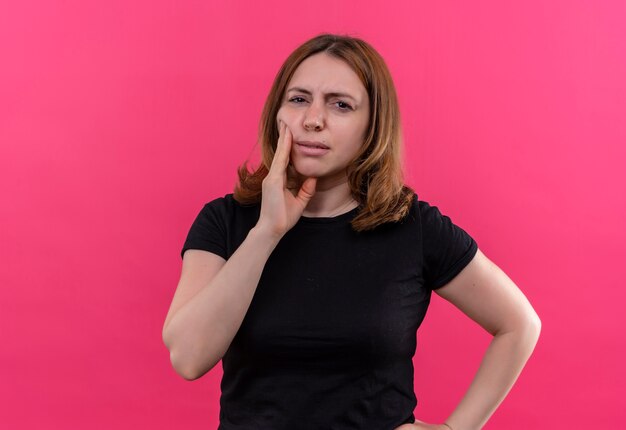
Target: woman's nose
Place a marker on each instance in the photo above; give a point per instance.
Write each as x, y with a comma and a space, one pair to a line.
313, 118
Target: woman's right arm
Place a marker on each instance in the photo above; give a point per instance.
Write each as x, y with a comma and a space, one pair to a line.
213, 295
211, 300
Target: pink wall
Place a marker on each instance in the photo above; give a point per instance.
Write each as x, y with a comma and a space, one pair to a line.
118, 120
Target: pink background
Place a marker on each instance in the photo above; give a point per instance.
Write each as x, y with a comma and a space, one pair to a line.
119, 120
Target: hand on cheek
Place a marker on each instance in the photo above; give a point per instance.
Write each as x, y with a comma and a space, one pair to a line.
279, 121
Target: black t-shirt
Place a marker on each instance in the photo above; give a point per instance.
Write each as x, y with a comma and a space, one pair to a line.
330, 335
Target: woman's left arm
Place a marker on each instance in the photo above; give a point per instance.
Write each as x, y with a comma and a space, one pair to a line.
488, 296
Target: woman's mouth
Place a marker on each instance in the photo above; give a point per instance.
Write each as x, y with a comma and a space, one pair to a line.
312, 148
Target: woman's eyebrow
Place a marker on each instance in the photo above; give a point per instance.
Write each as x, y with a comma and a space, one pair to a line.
333, 94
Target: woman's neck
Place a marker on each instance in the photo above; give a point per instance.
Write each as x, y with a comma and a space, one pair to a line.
330, 200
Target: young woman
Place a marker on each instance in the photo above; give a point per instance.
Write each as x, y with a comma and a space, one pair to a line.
310, 281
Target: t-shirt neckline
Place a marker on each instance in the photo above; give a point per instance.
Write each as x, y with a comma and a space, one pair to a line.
328, 220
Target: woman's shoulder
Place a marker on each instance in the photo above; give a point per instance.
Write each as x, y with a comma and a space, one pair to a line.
421, 206
228, 204
227, 214
417, 205
424, 209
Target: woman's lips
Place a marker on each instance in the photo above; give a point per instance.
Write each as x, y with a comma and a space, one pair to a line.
312, 148
312, 144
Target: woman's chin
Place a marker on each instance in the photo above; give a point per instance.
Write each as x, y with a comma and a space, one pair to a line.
306, 171
301, 169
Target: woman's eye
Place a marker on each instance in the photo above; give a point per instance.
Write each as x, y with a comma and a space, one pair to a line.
341, 105
344, 105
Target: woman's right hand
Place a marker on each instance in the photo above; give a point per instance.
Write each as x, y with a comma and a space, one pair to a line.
280, 207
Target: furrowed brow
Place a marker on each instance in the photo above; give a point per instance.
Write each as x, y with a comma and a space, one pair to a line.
328, 95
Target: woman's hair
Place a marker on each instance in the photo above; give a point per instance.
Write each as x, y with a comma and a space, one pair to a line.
375, 174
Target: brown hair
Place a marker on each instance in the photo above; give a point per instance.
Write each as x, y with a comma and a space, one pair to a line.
375, 174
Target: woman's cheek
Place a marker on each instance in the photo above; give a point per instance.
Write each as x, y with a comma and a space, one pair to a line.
287, 116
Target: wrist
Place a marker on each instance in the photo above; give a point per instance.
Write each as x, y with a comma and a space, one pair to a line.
265, 235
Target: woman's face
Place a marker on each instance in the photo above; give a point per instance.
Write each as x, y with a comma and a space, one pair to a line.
325, 104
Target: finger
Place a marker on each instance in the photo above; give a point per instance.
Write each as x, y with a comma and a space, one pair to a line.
273, 169
283, 150
279, 146
285, 147
307, 189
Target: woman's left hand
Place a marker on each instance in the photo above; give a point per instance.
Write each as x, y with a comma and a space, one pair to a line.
419, 425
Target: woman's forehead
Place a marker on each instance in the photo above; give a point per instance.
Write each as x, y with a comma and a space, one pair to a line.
326, 75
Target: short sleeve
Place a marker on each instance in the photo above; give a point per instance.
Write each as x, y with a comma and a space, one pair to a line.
208, 231
447, 248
